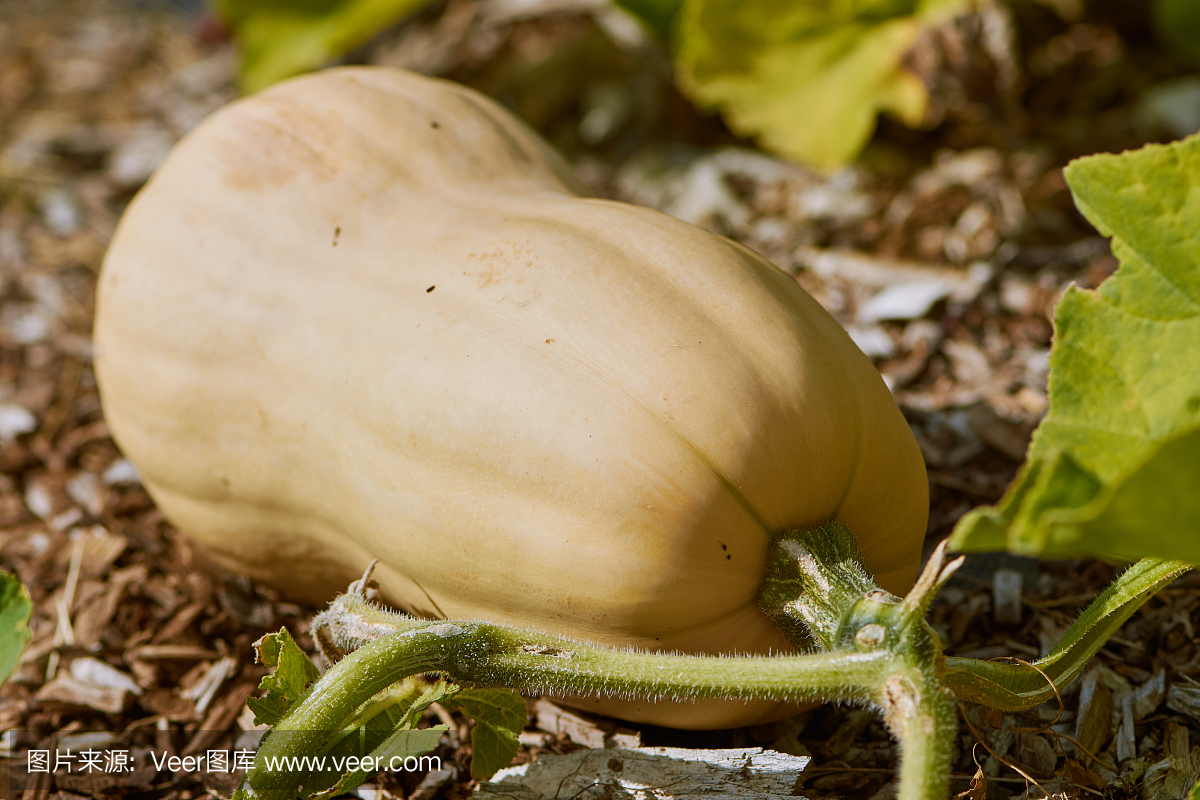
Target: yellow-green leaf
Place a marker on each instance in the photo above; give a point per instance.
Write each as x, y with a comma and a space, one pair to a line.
807, 78
15, 609
1113, 469
281, 39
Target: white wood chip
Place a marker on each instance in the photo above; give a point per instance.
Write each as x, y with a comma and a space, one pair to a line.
1006, 596
1093, 724
1126, 744
651, 773
431, 784
1149, 695
14, 421
68, 690
96, 672
206, 688
904, 300
560, 722
121, 471
85, 489
1184, 699
39, 500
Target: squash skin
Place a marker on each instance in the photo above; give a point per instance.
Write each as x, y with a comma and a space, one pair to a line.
589, 425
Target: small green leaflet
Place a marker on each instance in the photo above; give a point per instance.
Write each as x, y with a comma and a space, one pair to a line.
499, 716
293, 674
806, 78
15, 609
281, 38
383, 729
380, 735
1113, 469
403, 744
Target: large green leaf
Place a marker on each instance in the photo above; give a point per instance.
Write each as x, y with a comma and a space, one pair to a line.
15, 609
281, 38
1178, 24
1114, 468
659, 15
805, 77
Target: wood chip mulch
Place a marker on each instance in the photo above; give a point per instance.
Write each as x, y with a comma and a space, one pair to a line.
135, 637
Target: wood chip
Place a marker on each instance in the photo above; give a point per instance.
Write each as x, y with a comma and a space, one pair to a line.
560, 722
1006, 596
1184, 699
841, 740
1126, 744
66, 689
220, 718
182, 652
431, 784
1036, 753
1149, 695
179, 623
1093, 725
651, 773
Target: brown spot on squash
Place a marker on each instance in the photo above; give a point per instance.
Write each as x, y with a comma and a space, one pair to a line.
268, 153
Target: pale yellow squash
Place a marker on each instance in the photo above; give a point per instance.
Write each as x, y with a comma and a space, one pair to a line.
367, 314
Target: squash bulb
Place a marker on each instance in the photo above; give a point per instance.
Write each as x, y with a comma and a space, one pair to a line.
370, 315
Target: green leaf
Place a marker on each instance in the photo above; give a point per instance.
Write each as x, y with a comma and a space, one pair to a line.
381, 729
1113, 469
1178, 24
391, 754
805, 77
281, 38
293, 674
499, 716
15, 609
659, 15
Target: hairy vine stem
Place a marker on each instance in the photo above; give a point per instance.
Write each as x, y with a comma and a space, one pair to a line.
874, 648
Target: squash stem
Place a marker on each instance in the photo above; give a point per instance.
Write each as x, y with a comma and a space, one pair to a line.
813, 577
1018, 686
488, 655
875, 649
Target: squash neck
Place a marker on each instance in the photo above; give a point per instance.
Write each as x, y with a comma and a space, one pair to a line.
815, 579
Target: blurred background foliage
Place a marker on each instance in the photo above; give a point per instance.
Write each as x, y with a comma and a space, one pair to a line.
805, 79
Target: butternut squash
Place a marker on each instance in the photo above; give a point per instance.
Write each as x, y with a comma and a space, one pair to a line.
370, 315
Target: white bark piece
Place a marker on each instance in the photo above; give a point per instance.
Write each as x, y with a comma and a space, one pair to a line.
121, 471
431, 784
206, 688
85, 489
66, 689
1006, 596
1092, 726
14, 421
873, 341
1184, 699
1126, 744
1149, 695
651, 773
98, 673
560, 722
904, 300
